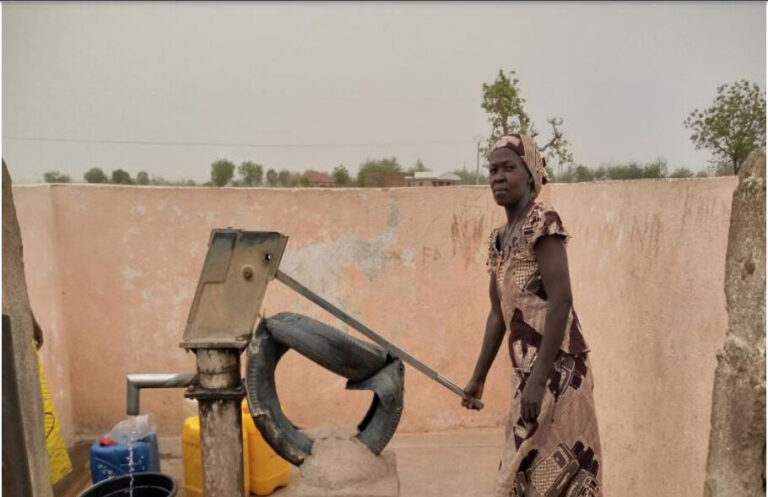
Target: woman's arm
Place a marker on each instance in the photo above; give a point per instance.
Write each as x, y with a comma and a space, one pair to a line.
553, 266
494, 334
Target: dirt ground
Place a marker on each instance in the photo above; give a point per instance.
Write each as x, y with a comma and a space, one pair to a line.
461, 464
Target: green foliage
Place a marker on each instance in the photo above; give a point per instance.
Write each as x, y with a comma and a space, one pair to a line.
681, 172
286, 178
95, 175
303, 180
583, 173
655, 169
417, 168
55, 177
251, 173
340, 175
159, 181
724, 169
505, 106
733, 125
375, 172
222, 171
631, 170
142, 178
503, 103
121, 177
579, 173
272, 177
702, 174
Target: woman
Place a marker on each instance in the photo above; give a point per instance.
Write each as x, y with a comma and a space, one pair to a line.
553, 446
59, 463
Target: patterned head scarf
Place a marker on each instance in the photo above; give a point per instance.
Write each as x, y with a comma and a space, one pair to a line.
525, 147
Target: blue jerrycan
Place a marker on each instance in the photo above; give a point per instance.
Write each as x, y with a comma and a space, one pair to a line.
109, 458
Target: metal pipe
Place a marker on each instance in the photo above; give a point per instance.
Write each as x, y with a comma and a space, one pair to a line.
221, 439
135, 382
378, 339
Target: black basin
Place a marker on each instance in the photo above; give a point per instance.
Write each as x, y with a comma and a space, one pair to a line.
144, 485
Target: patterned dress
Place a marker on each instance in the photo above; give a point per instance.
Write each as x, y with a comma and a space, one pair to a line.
558, 455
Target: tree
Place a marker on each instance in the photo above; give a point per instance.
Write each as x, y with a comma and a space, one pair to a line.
583, 173
632, 170
285, 178
95, 175
272, 177
681, 172
158, 180
340, 175
417, 168
656, 169
142, 178
222, 171
503, 103
733, 125
303, 180
378, 172
576, 174
702, 174
55, 177
121, 177
251, 173
723, 168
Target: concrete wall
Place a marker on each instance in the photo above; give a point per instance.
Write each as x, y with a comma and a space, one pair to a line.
24, 415
112, 271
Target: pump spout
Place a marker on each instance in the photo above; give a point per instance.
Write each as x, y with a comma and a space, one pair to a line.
135, 382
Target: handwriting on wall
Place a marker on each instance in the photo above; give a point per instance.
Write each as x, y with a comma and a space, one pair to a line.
430, 253
468, 234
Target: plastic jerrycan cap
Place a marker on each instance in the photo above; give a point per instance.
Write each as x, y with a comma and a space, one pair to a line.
106, 440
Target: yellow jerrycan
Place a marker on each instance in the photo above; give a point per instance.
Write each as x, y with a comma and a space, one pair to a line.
193, 465
268, 470
264, 470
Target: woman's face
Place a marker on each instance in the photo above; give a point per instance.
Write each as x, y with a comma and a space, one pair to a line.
509, 178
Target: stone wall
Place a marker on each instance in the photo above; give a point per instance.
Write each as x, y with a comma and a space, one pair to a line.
736, 462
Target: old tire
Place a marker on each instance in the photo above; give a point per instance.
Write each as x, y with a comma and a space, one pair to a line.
366, 366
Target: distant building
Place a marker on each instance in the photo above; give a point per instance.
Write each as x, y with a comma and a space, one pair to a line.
386, 179
430, 178
319, 179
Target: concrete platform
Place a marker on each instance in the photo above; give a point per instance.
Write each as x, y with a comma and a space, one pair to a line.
447, 464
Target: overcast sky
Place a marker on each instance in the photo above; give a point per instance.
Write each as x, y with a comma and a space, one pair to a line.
314, 85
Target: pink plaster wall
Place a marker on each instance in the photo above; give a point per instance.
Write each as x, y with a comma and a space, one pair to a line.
112, 271
42, 265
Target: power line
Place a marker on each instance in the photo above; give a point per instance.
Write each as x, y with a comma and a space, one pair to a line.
244, 145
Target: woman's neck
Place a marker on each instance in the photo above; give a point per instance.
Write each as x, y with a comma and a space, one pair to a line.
515, 211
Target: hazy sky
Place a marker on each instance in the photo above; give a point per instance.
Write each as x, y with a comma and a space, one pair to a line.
313, 85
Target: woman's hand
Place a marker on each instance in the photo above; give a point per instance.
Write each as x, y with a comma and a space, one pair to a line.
474, 390
530, 401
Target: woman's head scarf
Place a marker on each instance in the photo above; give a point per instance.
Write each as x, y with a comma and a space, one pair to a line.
525, 147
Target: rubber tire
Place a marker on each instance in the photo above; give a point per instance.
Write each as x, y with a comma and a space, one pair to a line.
366, 366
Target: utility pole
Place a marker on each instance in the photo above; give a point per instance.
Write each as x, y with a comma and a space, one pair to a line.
478, 139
